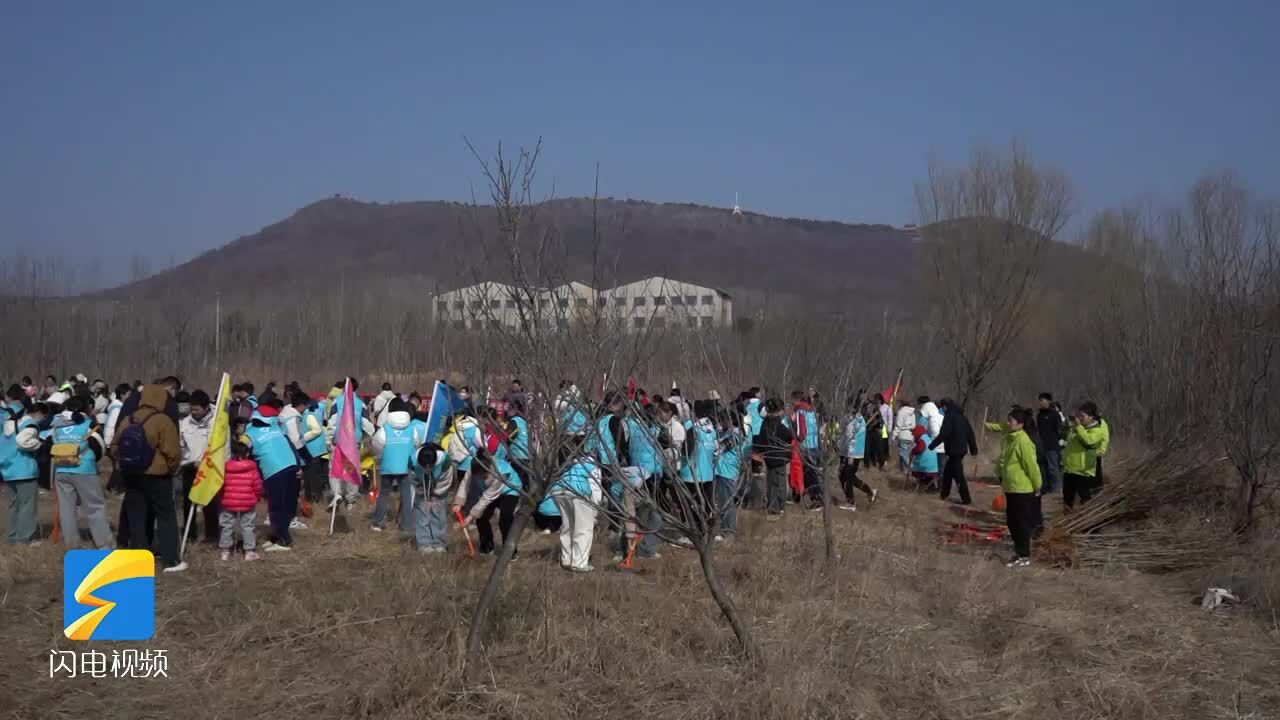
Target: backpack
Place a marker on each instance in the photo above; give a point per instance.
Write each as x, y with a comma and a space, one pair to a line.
133, 453
65, 454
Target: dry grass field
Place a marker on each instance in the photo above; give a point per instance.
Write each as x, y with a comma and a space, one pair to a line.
903, 626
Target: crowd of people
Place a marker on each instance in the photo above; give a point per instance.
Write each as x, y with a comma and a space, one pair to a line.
628, 462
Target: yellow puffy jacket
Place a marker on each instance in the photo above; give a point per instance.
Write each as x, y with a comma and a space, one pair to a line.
1084, 444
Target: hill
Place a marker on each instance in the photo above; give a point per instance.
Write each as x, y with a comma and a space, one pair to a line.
436, 242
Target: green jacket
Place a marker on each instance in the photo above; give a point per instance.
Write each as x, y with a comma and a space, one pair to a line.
1084, 444
1017, 467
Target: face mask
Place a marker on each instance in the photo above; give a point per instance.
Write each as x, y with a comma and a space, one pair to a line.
184, 408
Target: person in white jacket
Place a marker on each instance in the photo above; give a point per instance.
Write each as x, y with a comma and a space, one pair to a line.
929, 412
903, 424
382, 405
19, 442
193, 440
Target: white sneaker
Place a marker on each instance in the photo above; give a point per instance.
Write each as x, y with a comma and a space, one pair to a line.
250, 555
850, 508
683, 542
274, 547
180, 567
1017, 562
586, 569
546, 531
874, 494
719, 538
226, 555
375, 528
297, 524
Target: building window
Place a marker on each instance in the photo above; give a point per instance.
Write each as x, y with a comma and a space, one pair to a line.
562, 324
495, 324
495, 304
511, 304
640, 303
459, 324
563, 302
622, 302
690, 299
458, 305
542, 304
659, 300
676, 300
476, 304
706, 321
580, 302
691, 322
638, 322
706, 300
659, 322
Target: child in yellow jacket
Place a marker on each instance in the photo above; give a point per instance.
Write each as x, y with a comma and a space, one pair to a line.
1020, 479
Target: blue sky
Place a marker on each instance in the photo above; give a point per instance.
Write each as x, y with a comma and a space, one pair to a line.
168, 128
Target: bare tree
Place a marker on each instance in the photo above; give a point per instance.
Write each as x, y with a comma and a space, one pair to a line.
986, 227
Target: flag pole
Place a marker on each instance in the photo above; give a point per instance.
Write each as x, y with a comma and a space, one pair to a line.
218, 409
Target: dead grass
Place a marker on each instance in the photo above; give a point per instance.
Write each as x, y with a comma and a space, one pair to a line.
902, 627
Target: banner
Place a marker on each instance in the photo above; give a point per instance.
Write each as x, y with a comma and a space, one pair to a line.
445, 401
213, 464
344, 459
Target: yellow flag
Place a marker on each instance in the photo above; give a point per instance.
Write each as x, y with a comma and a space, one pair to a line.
213, 465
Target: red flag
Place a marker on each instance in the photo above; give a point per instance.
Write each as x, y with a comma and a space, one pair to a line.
631, 388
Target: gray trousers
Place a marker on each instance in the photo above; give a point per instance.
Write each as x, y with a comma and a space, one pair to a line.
429, 523
777, 485
21, 525
86, 491
404, 485
228, 522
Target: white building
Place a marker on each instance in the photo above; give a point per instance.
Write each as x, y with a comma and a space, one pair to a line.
654, 303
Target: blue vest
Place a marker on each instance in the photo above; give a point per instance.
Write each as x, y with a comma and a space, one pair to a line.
812, 433
397, 451
729, 462
857, 448
702, 458
78, 434
548, 507
16, 464
502, 466
471, 438
520, 445
642, 447
271, 449
927, 461
577, 477
316, 446
572, 420
606, 450
757, 419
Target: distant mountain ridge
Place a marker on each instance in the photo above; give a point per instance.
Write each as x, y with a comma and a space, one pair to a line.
435, 243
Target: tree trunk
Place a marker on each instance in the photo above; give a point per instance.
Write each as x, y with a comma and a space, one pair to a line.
727, 608
479, 619
828, 527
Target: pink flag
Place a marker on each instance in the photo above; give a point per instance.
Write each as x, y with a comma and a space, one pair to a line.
344, 462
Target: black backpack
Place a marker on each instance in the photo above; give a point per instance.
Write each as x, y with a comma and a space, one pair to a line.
133, 453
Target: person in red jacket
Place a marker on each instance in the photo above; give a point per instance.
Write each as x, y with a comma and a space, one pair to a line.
241, 489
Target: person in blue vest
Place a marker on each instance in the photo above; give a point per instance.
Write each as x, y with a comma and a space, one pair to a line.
804, 420
19, 442
731, 469
430, 524
519, 440
279, 468
502, 486
76, 476
466, 447
698, 475
577, 492
570, 412
315, 471
395, 443
853, 450
644, 453
924, 462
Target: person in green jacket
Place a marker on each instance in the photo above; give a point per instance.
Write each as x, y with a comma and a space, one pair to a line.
1019, 474
1087, 439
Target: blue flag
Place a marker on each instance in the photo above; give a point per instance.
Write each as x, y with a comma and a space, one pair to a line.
445, 401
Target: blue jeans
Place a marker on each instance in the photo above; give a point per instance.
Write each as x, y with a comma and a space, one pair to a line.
727, 503
1050, 471
406, 501
282, 502
429, 524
